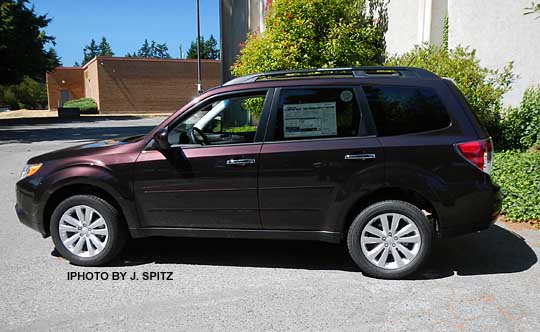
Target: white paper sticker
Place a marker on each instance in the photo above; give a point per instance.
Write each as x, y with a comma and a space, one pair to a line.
309, 120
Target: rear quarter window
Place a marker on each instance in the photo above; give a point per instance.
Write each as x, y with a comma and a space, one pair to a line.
399, 110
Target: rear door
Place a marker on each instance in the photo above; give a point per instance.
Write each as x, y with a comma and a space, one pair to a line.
318, 153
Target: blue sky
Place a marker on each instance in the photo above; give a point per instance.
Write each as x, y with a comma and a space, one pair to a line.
126, 24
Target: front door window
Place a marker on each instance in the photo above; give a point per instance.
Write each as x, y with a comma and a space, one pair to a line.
225, 121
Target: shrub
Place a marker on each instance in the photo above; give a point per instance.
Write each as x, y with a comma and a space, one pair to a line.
29, 94
521, 126
85, 105
317, 33
482, 87
529, 117
8, 98
518, 174
510, 130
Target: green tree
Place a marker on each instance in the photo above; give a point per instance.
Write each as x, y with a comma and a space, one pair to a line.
151, 50
93, 49
318, 33
160, 51
23, 42
144, 51
90, 51
209, 49
53, 60
104, 48
212, 49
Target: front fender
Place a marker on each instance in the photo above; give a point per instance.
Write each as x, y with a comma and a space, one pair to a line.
95, 176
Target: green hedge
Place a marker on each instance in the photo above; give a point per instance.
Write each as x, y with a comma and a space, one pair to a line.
521, 125
86, 105
518, 174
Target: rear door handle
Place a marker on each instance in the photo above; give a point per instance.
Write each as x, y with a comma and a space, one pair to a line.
365, 156
240, 161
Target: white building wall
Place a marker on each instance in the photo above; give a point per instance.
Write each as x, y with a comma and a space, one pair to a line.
439, 9
500, 33
413, 22
402, 26
497, 29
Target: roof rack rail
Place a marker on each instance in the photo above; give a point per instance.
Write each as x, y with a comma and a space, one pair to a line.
370, 71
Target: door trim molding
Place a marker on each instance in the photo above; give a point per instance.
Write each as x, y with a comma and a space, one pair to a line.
323, 236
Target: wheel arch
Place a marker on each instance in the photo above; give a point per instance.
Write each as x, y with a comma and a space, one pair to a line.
390, 193
68, 190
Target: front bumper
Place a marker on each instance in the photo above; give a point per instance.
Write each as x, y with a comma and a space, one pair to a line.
28, 211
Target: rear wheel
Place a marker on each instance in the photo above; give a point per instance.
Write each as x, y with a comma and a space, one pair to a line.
87, 230
390, 239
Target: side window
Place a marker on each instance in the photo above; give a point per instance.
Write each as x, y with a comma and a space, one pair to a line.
399, 110
316, 113
230, 120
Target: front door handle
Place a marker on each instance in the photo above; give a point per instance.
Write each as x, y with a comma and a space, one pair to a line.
365, 156
240, 161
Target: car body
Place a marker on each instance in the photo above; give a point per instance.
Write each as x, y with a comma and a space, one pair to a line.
294, 155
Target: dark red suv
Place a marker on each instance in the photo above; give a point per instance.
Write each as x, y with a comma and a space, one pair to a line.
384, 159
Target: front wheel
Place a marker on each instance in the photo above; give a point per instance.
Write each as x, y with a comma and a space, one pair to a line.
390, 239
87, 230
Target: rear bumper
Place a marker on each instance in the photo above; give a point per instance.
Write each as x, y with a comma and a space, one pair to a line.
473, 213
28, 211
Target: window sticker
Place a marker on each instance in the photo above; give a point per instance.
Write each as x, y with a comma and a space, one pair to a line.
309, 120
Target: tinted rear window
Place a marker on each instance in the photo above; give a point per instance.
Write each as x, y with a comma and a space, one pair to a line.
399, 110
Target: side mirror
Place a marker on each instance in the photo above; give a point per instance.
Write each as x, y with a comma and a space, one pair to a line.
161, 139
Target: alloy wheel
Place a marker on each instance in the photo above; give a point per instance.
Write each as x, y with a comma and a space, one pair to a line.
83, 231
390, 241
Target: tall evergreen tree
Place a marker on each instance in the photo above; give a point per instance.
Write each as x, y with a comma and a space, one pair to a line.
104, 48
90, 51
23, 42
144, 51
208, 49
93, 49
213, 50
160, 51
151, 50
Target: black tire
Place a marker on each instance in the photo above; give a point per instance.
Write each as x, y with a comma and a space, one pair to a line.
117, 232
391, 206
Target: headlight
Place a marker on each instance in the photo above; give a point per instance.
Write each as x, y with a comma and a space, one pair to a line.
29, 170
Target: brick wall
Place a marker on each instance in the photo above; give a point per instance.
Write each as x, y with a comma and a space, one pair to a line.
64, 78
91, 82
149, 85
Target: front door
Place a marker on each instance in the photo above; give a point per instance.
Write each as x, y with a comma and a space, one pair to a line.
209, 177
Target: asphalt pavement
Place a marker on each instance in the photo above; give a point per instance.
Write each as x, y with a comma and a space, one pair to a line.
486, 281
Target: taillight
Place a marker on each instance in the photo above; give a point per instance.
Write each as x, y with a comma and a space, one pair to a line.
479, 153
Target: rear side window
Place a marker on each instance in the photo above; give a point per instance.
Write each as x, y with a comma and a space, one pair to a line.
399, 110
316, 113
